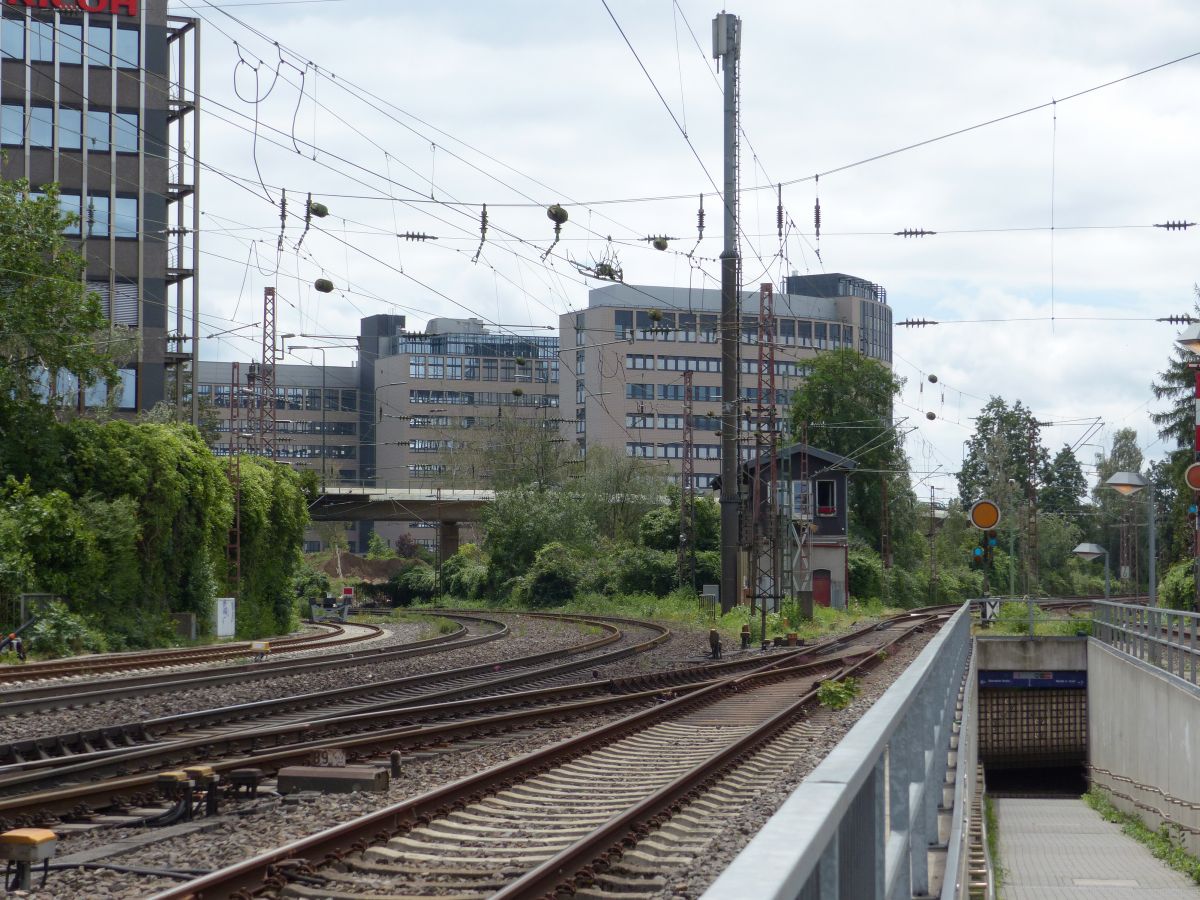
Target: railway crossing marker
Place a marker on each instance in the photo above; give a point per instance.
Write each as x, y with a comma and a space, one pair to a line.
989, 610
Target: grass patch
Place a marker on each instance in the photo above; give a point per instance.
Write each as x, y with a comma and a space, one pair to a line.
1165, 843
682, 607
430, 625
993, 839
837, 694
1013, 619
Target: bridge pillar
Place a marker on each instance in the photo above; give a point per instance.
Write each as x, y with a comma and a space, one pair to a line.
447, 540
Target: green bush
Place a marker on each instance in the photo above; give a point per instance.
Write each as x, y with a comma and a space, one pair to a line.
866, 574
418, 582
1178, 589
60, 632
465, 573
837, 694
554, 577
377, 547
640, 569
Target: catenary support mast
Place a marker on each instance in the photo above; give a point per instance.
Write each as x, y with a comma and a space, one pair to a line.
727, 35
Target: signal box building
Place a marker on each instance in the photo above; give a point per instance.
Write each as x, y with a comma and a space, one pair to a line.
810, 526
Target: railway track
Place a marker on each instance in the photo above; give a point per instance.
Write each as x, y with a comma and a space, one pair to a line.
330, 635
34, 699
276, 732
597, 815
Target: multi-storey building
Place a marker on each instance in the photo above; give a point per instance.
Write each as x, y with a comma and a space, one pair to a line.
317, 413
93, 98
443, 399
625, 355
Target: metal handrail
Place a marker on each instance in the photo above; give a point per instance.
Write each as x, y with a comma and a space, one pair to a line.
862, 823
1165, 638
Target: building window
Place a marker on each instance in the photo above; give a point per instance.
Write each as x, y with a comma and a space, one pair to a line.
638, 420
349, 401
670, 451
638, 361
41, 41
41, 126
639, 391
12, 124
804, 334
96, 216
622, 323
70, 44
471, 368
581, 421
787, 332
826, 497
125, 132
12, 38
125, 217
580, 391
491, 371
671, 423
99, 45
580, 362
641, 451
820, 336
70, 128
709, 333
128, 48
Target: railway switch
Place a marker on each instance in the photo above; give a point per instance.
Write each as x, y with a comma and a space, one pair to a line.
22, 848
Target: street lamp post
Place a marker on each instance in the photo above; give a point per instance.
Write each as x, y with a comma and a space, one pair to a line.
1127, 484
1091, 552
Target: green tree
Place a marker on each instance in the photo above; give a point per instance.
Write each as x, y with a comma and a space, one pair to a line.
1064, 487
48, 322
377, 547
660, 528
1177, 385
1006, 446
518, 523
844, 406
615, 491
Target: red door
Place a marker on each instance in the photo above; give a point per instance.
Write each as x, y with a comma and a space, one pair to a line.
822, 587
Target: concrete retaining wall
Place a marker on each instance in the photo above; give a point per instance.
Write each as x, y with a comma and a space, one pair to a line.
1143, 734
1061, 654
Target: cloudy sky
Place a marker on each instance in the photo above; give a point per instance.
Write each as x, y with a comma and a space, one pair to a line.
408, 116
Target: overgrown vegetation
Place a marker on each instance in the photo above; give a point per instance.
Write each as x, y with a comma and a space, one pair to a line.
126, 521
837, 694
993, 840
1165, 843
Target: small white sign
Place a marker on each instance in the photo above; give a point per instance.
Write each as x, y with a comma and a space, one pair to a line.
330, 757
226, 617
989, 610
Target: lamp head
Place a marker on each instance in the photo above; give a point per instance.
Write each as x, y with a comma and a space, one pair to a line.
1126, 483
1089, 551
1190, 339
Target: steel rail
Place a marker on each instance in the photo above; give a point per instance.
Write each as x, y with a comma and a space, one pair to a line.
34, 774
250, 876
33, 700
176, 656
152, 747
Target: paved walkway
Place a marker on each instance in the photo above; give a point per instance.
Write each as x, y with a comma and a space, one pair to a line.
1063, 850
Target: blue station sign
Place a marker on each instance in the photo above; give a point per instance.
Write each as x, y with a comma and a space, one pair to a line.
1000, 678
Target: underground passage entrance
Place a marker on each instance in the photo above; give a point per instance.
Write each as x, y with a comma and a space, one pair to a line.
1033, 733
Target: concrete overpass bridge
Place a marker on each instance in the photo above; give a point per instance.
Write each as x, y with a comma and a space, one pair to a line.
895, 811
444, 506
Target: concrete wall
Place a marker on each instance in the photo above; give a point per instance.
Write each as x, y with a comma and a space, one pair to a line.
1142, 730
1056, 654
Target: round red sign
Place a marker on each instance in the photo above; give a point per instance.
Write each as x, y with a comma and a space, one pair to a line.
1192, 476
